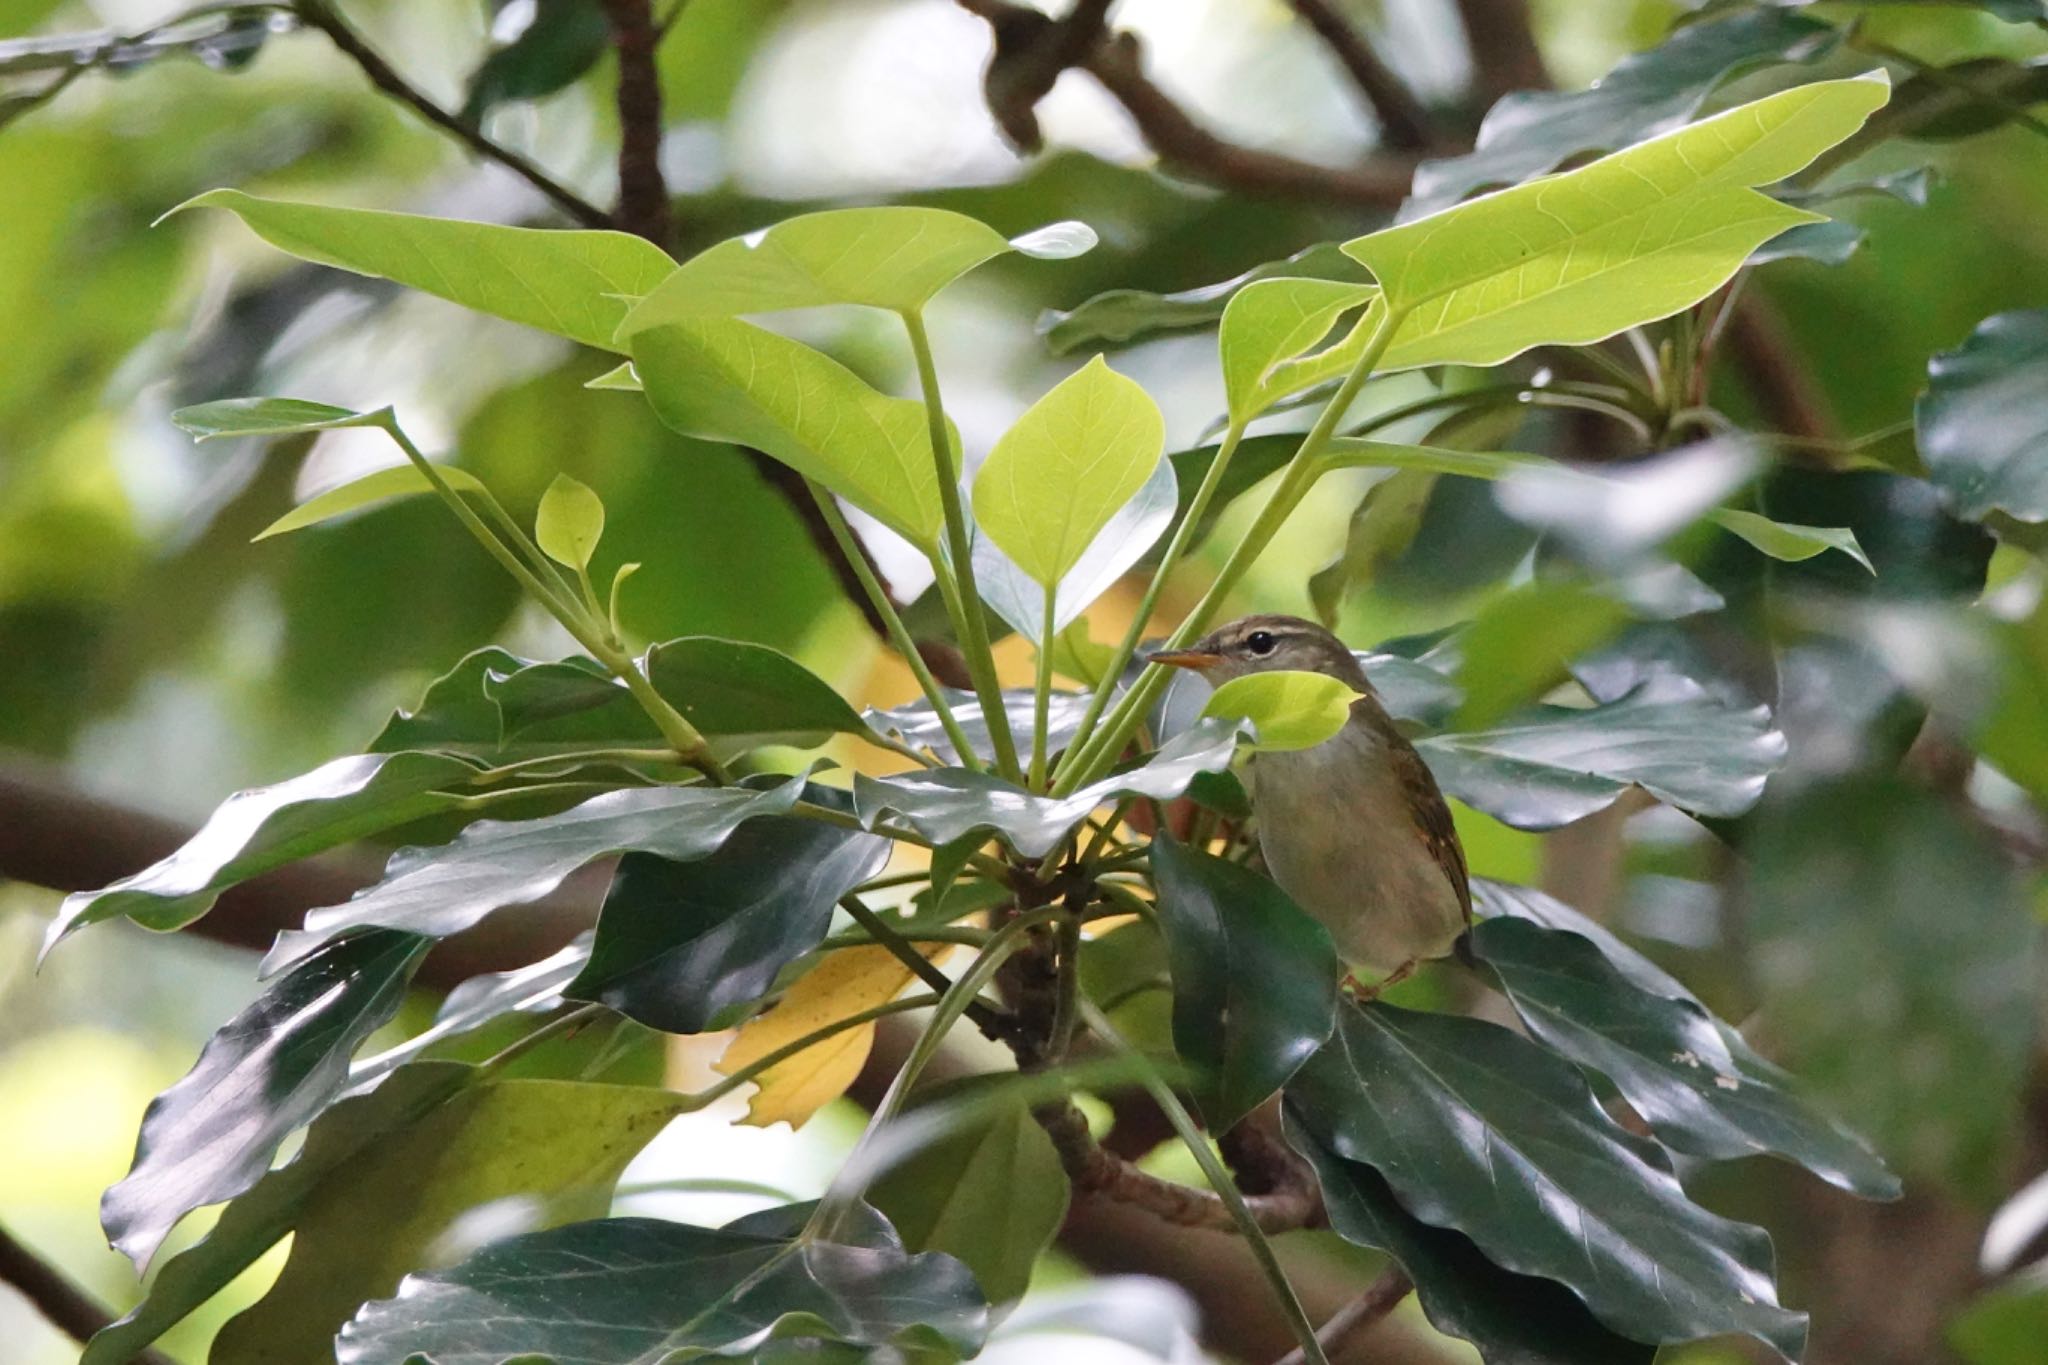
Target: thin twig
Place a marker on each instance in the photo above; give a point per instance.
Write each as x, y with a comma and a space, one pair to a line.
63, 1304
1505, 57
1380, 1298
643, 193
317, 14
1404, 123
1099, 1173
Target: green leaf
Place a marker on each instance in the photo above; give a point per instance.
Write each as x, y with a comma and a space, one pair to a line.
443, 890
1270, 321
735, 690
1232, 936
918, 725
236, 417
1635, 236
1530, 132
396, 482
563, 41
1872, 880
1522, 644
1056, 477
727, 380
1286, 708
574, 284
649, 1290
1495, 899
1124, 540
1504, 1142
943, 804
680, 942
254, 1222
555, 1146
1834, 242
991, 1194
1787, 543
1512, 1319
2004, 1326
622, 378
894, 256
1703, 1091
266, 827
1983, 422
268, 1070
1124, 315
1382, 527
569, 522
1552, 765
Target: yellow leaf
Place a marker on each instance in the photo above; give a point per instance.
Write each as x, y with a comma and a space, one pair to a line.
845, 983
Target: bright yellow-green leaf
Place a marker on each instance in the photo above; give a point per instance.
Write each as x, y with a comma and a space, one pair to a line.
1289, 709
396, 482
1788, 541
231, 417
574, 284
1635, 236
845, 983
1056, 478
1269, 322
620, 377
1076, 655
569, 522
893, 257
728, 380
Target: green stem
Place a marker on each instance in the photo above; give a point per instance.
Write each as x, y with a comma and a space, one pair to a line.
1219, 1179
1300, 475
566, 1022
1066, 1004
1041, 697
899, 634
964, 601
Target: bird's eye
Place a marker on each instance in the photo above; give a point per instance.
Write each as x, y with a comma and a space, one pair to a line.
1260, 642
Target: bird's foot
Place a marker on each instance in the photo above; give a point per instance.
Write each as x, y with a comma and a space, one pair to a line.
1364, 994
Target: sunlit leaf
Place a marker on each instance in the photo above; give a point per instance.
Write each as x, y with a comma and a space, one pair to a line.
574, 284
1287, 708
234, 417
1270, 321
1983, 422
569, 523
396, 482
918, 725
1784, 541
892, 256
1122, 315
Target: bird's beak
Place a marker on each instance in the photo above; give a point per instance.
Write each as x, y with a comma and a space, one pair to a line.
1197, 659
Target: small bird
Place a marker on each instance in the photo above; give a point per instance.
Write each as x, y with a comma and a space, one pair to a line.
1354, 829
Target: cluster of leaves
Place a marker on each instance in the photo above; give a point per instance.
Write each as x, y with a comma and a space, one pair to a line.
1532, 1221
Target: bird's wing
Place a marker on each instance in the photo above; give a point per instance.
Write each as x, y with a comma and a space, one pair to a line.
1432, 817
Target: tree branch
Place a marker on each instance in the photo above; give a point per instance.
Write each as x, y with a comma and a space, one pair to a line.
1380, 1298
317, 14
1505, 57
63, 1304
643, 194
1105, 1175
1404, 123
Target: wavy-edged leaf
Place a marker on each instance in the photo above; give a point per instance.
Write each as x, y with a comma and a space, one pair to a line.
943, 804
1983, 422
918, 725
1125, 315
655, 1291
555, 1147
267, 1071
1231, 937
266, 827
680, 940
1272, 321
1512, 1319
399, 481
255, 1221
1635, 236
1668, 1058
890, 256
1504, 1142
1063, 470
1287, 708
494, 863
727, 380
574, 284
1834, 242
735, 689
1129, 535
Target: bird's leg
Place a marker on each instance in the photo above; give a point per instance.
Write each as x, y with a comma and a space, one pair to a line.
1364, 994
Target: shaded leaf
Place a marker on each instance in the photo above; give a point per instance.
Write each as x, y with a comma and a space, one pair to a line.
733, 689
1122, 315
1500, 1140
443, 890
1789, 543
1983, 422
397, 482
680, 940
647, 1289
1131, 533
553, 1149
1512, 1319
564, 40
266, 827
1382, 527
918, 725
1668, 1058
1256, 458
267, 1071
574, 284
236, 417
569, 523
1254, 979
1287, 708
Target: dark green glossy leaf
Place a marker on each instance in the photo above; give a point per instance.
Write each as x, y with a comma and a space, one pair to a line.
254, 1222
1959, 100
678, 942
1124, 315
1531, 132
556, 1147
736, 690
564, 39
1836, 241
1512, 1319
990, 1194
266, 827
654, 1291
1493, 899
1478, 1130
1701, 1091
443, 890
1232, 936
268, 1070
1983, 422
943, 804
918, 725
1898, 961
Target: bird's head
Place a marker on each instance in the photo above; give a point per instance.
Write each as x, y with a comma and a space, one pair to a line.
1266, 644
